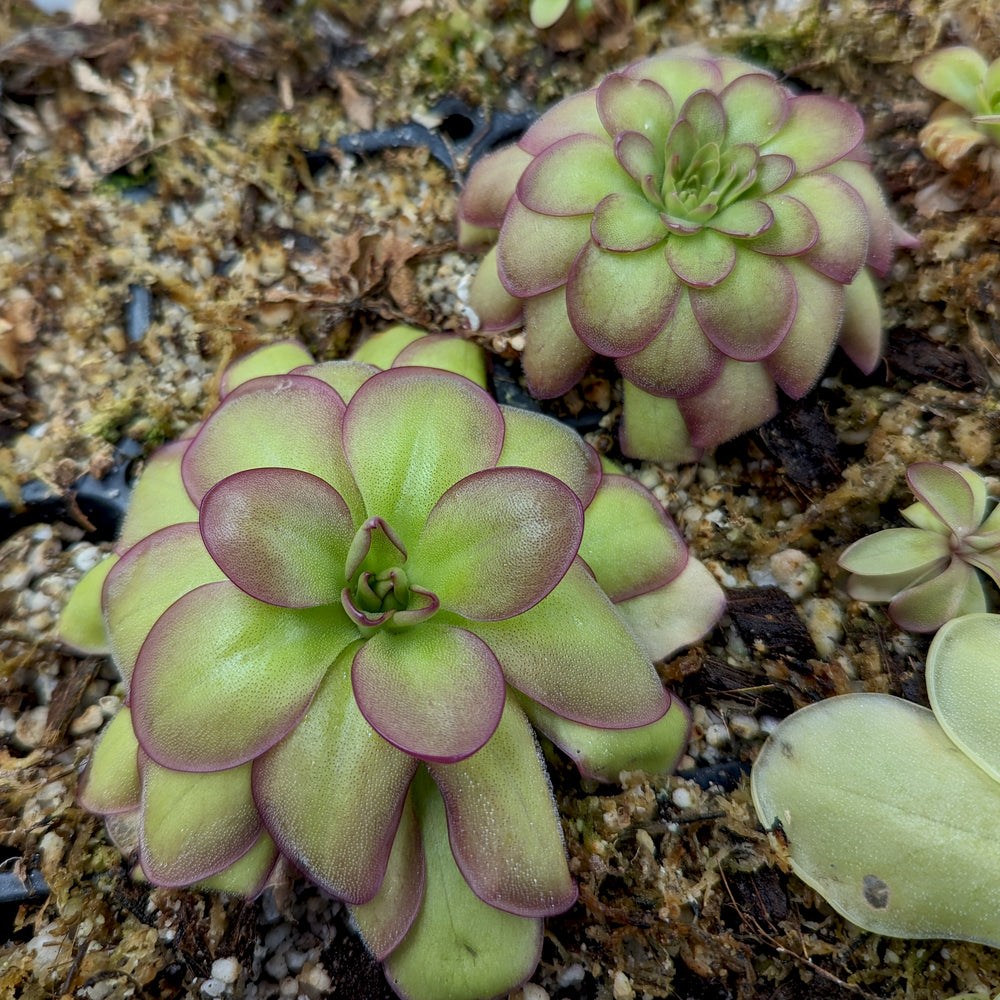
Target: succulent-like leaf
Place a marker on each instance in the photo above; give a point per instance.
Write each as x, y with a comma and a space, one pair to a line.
216, 647
436, 692
458, 946
679, 75
895, 551
558, 654
448, 352
881, 244
571, 116
745, 219
641, 160
280, 535
497, 542
384, 920
949, 494
861, 333
194, 825
538, 442
331, 792
956, 73
81, 624
146, 581
600, 281
508, 845
701, 259
241, 435
626, 104
159, 498
602, 754
554, 357
110, 783
928, 605
963, 684
345, 377
884, 817
845, 231
818, 131
645, 557
537, 251
410, 434
495, 308
655, 428
248, 875
756, 108
793, 231
374, 548
626, 223
676, 615
680, 361
380, 348
274, 359
545, 13
491, 185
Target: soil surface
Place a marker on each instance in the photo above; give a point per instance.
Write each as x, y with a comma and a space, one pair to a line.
183, 181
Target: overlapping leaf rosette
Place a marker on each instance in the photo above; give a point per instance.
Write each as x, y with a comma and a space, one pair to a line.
339, 608
932, 571
694, 220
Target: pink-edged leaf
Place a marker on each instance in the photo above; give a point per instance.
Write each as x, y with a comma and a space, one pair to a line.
81, 622
280, 535
159, 498
641, 160
601, 281
703, 258
384, 920
146, 581
344, 376
332, 791
447, 352
535, 252
626, 104
456, 938
741, 398
756, 107
955, 72
558, 653
676, 615
572, 116
436, 692
194, 825
817, 131
375, 547
841, 250
412, 433
491, 185
274, 359
248, 875
680, 75
110, 782
707, 117
497, 542
680, 361
794, 231
928, 605
749, 314
508, 843
602, 754
773, 172
653, 428
279, 421
988, 562
881, 244
912, 551
222, 677
626, 223
571, 176
745, 219
554, 357
494, 306
380, 349
798, 361
629, 542
948, 494
536, 441
861, 335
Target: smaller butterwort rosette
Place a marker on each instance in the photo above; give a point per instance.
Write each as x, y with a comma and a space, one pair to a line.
341, 609
934, 570
699, 223
971, 115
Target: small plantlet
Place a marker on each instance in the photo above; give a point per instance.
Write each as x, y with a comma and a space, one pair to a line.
931, 572
693, 219
340, 608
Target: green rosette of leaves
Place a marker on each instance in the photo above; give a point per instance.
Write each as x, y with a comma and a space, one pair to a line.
341, 607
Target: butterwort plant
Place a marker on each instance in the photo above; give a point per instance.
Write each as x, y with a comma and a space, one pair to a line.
693, 219
341, 606
934, 569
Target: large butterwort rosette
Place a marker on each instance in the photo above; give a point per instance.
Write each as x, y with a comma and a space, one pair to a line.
694, 220
341, 607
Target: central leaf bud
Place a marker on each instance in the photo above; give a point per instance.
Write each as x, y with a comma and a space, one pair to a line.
387, 590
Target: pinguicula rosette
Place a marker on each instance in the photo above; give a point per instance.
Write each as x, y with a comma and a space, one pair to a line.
929, 572
696, 221
971, 115
339, 608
